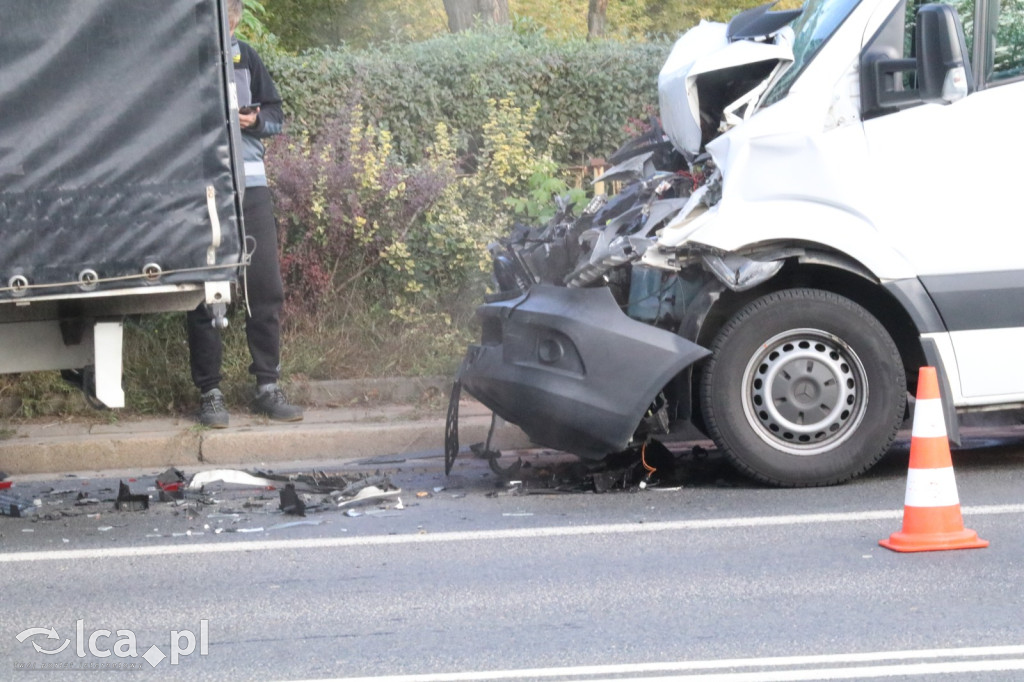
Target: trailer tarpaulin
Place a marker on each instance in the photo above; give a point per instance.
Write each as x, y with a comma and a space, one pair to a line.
115, 145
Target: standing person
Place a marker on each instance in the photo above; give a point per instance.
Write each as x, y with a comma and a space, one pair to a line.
260, 116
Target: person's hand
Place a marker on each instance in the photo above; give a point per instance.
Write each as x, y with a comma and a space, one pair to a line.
248, 120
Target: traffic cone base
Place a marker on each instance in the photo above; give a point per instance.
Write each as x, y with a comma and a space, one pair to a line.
930, 542
931, 511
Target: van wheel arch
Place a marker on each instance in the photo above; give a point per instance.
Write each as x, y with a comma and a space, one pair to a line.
847, 355
828, 272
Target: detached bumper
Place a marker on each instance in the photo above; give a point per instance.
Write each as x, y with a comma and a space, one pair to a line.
570, 368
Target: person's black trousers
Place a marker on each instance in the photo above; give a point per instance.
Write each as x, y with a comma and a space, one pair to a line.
265, 295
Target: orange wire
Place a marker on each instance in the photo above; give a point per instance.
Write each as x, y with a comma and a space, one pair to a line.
643, 460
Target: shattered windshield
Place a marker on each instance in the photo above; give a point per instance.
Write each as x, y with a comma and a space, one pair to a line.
812, 29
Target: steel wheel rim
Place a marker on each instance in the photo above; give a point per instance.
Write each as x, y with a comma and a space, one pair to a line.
804, 392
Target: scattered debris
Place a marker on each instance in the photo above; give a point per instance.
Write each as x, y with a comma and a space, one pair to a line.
648, 466
353, 488
247, 500
292, 524
171, 484
126, 501
313, 482
235, 476
16, 506
484, 451
369, 494
291, 503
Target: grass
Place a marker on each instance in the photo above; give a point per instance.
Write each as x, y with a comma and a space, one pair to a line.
349, 340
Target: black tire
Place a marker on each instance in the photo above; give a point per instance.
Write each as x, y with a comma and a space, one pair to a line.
803, 388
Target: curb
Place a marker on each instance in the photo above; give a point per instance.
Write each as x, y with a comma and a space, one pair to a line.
335, 427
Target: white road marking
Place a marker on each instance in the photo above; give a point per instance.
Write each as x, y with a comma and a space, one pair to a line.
899, 664
475, 536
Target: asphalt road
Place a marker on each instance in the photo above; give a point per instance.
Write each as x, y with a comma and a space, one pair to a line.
703, 576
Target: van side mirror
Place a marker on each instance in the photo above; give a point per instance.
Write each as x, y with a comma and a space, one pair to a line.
943, 71
939, 71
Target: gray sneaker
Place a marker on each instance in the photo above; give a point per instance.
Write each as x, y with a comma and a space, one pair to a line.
271, 403
212, 410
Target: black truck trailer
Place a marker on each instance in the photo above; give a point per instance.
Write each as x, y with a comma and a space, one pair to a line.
120, 177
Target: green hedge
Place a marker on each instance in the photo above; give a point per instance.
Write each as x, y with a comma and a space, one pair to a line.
587, 91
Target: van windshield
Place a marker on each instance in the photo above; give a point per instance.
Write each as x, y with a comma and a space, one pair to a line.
812, 29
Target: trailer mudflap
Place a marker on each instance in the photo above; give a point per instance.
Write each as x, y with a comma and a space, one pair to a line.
570, 368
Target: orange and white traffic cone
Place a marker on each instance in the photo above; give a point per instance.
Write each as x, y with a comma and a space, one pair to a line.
931, 511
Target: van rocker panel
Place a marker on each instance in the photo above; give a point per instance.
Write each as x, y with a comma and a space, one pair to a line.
570, 368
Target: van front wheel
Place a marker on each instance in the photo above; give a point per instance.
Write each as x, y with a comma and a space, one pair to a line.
803, 388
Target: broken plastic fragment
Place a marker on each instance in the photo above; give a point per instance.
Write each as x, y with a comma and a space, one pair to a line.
315, 482
171, 484
291, 503
14, 506
230, 476
370, 493
126, 501
292, 524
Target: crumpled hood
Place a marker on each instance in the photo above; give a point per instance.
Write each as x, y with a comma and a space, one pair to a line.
710, 76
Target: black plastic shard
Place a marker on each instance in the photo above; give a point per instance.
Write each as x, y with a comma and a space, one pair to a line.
291, 503
171, 484
126, 501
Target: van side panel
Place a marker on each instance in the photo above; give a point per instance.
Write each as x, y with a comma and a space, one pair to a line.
949, 208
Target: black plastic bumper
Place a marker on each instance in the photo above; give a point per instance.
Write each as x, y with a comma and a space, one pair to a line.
570, 368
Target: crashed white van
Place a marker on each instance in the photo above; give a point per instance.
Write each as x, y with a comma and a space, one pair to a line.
856, 219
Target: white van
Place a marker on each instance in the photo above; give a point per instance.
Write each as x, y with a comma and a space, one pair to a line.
856, 220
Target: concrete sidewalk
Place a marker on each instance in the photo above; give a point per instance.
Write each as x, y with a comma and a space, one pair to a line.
344, 420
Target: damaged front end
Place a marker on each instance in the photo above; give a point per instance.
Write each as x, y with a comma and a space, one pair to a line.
571, 369
587, 341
